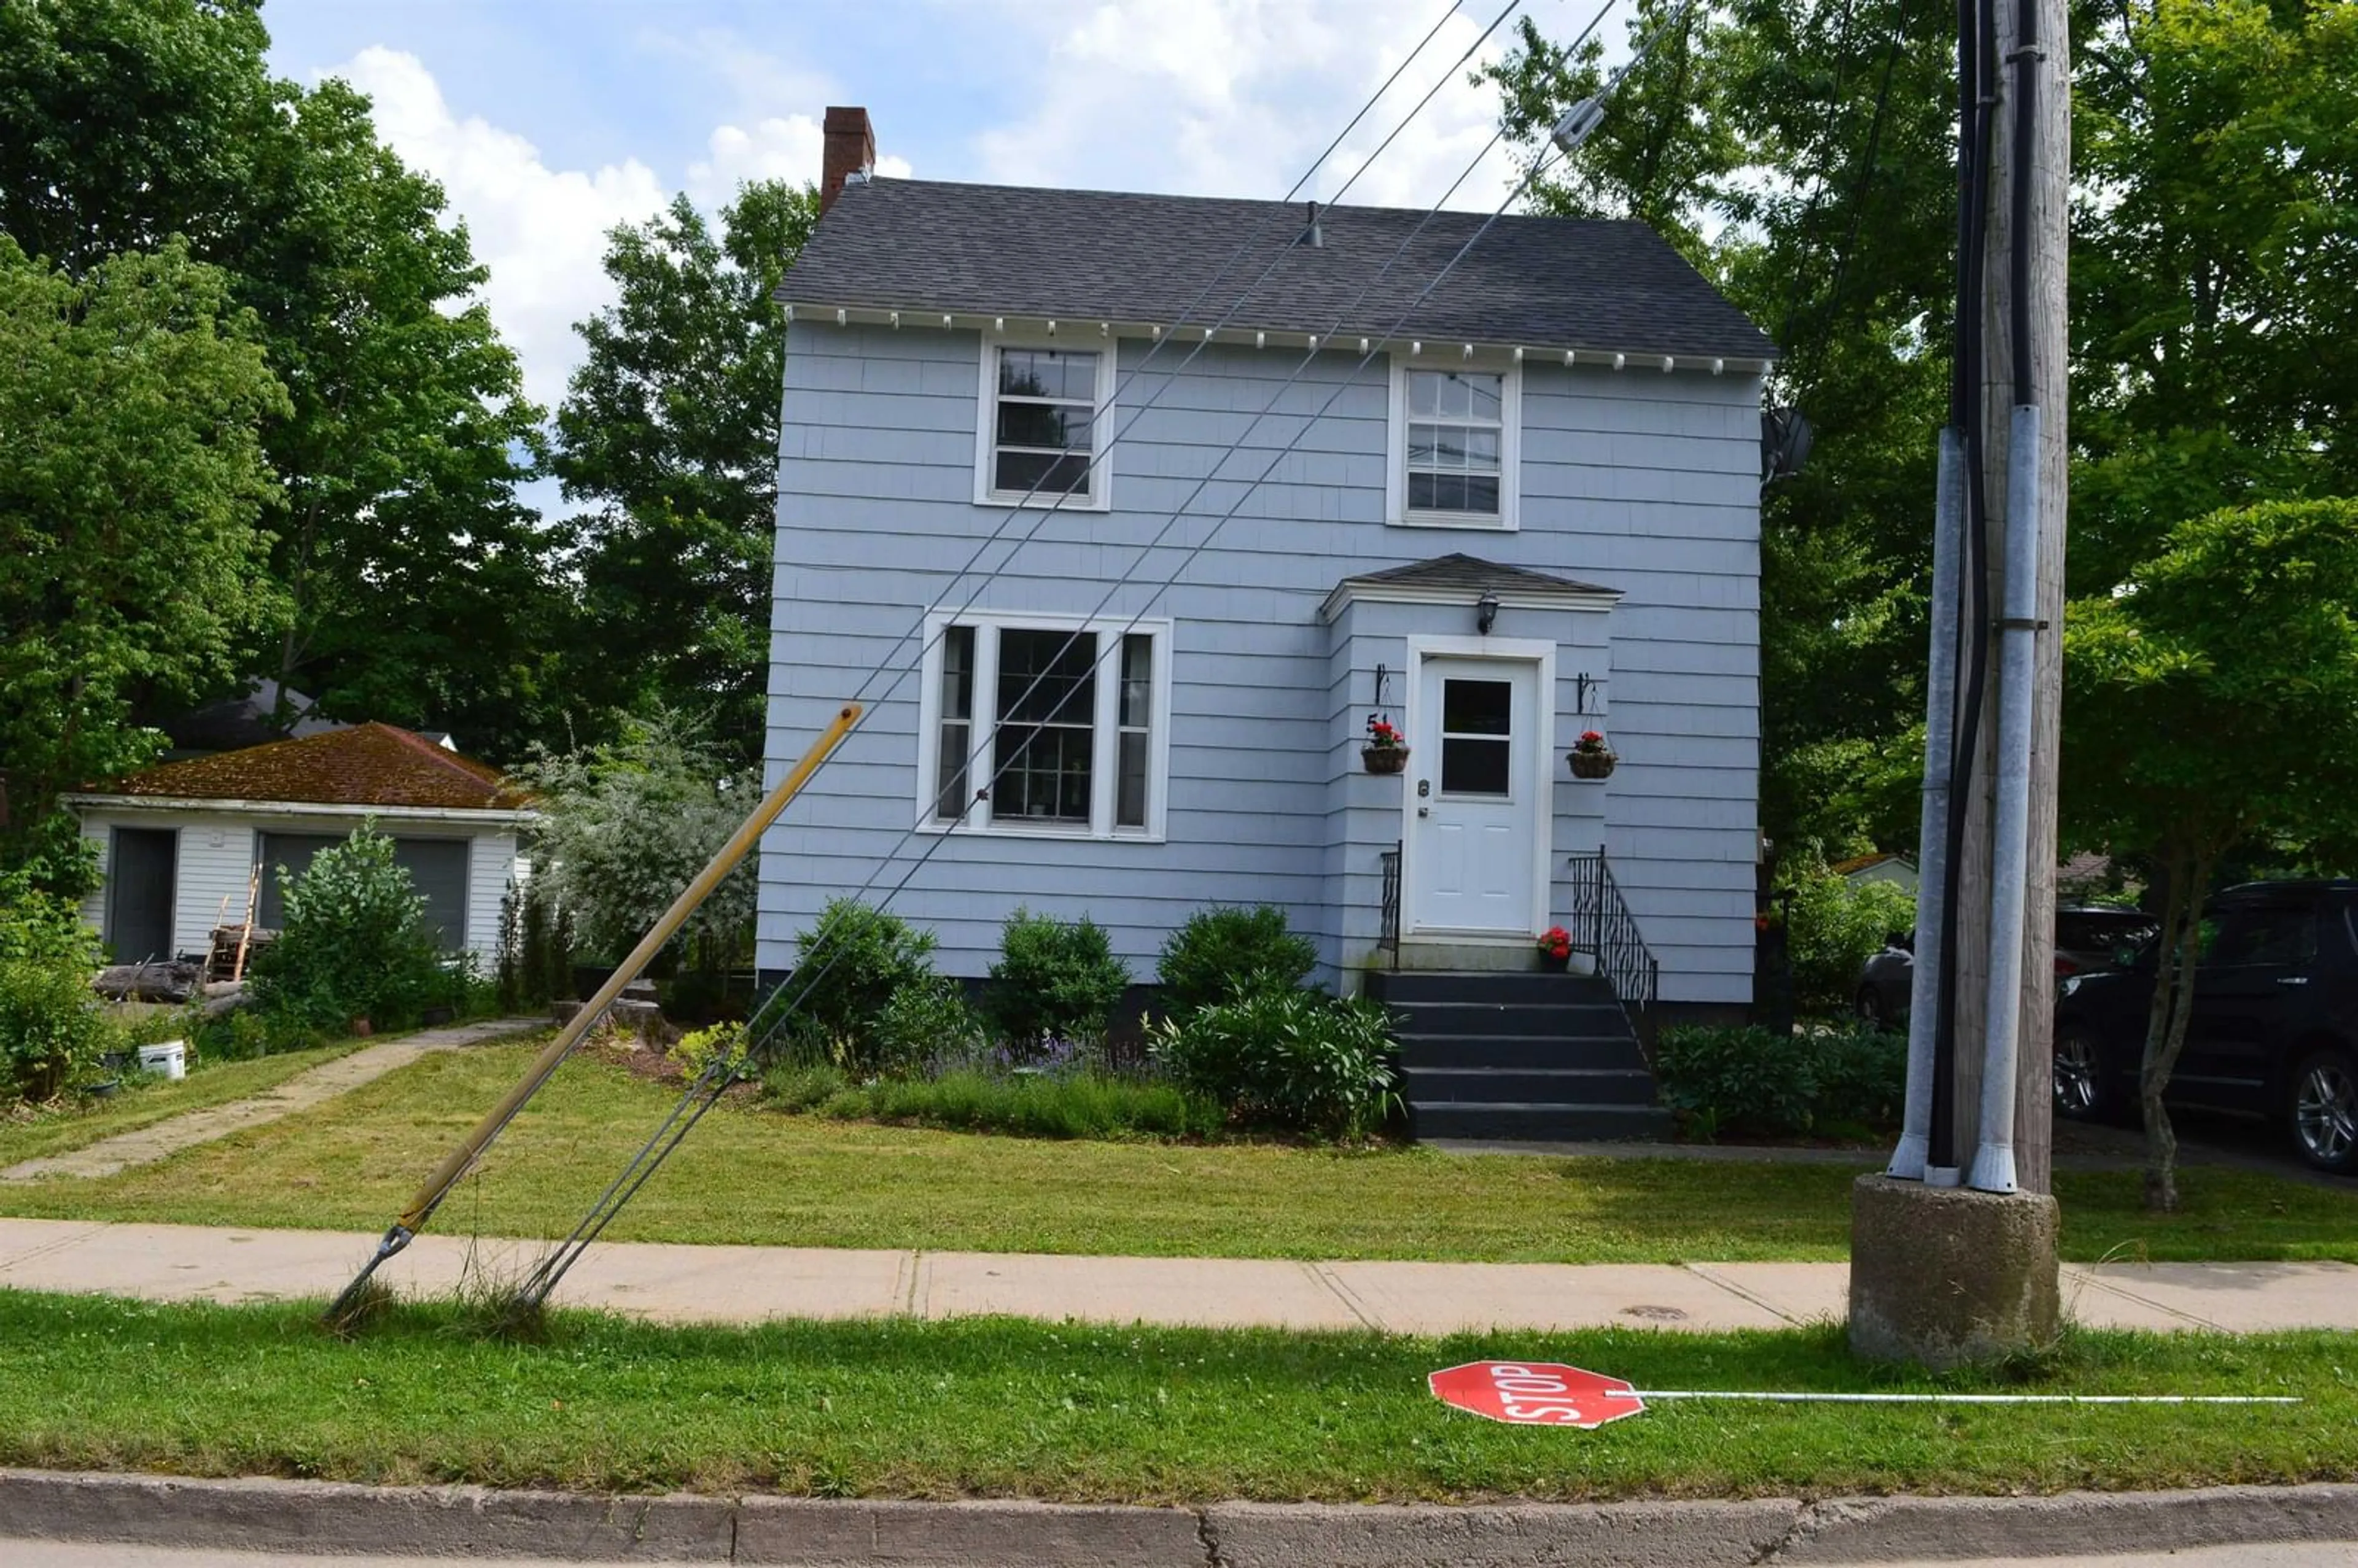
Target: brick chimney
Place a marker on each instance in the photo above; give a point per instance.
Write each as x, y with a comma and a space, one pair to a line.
851, 149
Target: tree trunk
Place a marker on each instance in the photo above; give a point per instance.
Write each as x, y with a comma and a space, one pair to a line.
2179, 946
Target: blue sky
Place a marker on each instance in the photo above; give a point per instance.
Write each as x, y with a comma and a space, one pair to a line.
549, 120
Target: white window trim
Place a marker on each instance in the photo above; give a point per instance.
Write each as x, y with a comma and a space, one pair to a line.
1105, 765
1510, 448
985, 422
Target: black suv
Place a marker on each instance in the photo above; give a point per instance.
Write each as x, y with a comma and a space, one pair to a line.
2275, 1024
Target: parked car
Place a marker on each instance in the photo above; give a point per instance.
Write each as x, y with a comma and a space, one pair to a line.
2087, 940
2274, 1027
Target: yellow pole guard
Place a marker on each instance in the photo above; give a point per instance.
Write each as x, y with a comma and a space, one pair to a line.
748, 833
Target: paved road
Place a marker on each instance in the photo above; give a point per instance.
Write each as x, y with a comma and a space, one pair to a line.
47, 1554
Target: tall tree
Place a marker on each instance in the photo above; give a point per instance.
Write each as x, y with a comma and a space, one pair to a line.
2214, 702
132, 481
2215, 267
419, 588
1798, 153
669, 433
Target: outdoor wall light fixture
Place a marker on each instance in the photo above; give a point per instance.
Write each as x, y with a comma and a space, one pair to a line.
1486, 612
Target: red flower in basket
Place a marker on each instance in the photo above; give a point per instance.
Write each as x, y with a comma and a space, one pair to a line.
1556, 942
1590, 741
1381, 733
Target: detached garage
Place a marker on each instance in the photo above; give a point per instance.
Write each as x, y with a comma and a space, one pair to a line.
180, 845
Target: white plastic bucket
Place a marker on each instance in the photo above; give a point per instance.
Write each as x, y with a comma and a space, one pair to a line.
170, 1058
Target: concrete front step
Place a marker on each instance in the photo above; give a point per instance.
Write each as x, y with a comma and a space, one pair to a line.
1524, 1121
1566, 1019
1529, 987
1421, 1051
1533, 1085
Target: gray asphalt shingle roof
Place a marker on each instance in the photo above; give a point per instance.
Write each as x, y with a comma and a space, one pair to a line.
1459, 571
1558, 283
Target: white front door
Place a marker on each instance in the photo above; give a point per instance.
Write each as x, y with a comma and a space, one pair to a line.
1474, 826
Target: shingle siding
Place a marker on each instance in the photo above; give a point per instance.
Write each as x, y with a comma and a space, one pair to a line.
1640, 481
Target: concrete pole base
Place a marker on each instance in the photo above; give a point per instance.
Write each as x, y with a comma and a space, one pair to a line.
1946, 1276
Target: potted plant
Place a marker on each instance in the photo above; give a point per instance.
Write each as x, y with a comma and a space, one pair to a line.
1384, 753
1590, 757
1555, 949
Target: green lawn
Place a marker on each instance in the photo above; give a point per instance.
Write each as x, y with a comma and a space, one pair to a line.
752, 1176
144, 1101
989, 1407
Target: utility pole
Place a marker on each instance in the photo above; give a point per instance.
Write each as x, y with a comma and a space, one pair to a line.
1953, 1248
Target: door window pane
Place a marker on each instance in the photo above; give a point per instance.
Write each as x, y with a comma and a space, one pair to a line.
1477, 724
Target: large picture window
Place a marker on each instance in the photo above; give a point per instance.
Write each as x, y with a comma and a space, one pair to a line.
1041, 725
1043, 411
1453, 445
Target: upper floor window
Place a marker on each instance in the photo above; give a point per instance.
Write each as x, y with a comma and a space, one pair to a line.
1453, 445
1043, 416
1045, 725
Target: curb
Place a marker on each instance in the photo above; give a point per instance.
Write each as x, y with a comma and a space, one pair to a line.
319, 1518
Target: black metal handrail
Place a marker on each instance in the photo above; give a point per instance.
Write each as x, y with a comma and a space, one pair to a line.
1602, 927
1387, 937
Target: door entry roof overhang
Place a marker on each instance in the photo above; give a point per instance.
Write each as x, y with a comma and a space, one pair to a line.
1457, 578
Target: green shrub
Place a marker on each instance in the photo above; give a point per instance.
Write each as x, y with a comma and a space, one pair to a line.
1834, 927
51, 1030
1033, 1105
1053, 980
722, 1044
1293, 1059
354, 943
1221, 952
1770, 1083
928, 1026
851, 965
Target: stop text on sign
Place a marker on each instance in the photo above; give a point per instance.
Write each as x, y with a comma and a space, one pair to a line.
1536, 1393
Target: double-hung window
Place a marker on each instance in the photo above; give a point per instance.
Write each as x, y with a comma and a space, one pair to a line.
1044, 412
1454, 445
1037, 724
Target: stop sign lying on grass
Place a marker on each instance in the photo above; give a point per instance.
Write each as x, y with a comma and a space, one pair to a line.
1537, 1393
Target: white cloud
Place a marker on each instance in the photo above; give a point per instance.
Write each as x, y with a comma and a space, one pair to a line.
540, 230
787, 149
1235, 97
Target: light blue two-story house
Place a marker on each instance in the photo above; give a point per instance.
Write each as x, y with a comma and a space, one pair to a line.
1146, 504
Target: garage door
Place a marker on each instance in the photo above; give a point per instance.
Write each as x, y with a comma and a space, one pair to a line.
437, 866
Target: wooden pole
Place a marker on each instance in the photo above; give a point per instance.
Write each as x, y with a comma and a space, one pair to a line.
2049, 82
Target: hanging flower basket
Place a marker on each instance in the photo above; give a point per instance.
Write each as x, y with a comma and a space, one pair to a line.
1591, 758
1384, 759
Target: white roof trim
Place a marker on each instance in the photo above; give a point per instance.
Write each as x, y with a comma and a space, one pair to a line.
1347, 593
471, 816
1594, 356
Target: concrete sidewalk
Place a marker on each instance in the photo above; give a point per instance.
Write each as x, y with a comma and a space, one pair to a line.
743, 1284
147, 1145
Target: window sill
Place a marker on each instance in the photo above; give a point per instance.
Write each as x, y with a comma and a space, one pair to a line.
1046, 503
1070, 835
1483, 522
